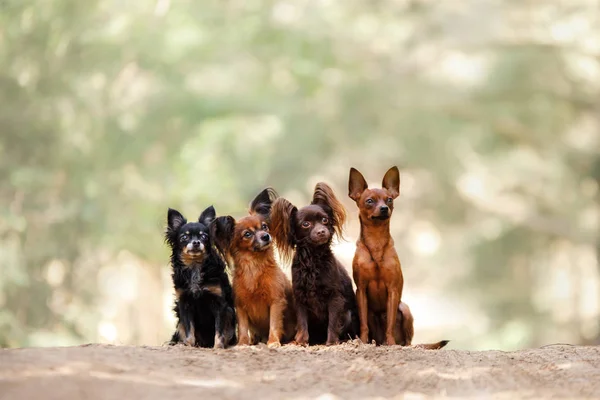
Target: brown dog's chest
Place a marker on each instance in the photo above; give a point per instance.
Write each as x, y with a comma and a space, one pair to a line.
254, 293
377, 271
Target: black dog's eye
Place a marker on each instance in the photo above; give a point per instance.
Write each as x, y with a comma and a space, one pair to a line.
306, 224
203, 236
247, 234
389, 200
265, 227
183, 238
325, 221
369, 201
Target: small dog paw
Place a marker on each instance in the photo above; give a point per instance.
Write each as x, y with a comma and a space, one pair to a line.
219, 342
274, 344
302, 339
390, 341
332, 343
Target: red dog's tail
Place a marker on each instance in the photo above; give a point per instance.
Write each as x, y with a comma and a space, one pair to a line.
408, 331
431, 346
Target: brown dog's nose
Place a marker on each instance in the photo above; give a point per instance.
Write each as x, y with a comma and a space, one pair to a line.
384, 209
266, 237
321, 232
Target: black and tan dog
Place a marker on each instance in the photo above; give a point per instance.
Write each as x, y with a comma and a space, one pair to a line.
204, 300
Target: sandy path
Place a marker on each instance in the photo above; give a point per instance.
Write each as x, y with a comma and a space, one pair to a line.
350, 371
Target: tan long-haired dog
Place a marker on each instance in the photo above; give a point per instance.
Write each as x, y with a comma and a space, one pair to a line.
263, 294
376, 267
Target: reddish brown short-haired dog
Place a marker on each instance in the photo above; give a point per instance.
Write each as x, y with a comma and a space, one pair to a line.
376, 267
263, 294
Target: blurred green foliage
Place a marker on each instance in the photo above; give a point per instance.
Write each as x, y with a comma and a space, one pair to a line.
113, 111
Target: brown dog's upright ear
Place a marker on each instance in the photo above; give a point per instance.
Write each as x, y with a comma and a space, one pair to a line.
221, 231
356, 184
391, 181
283, 218
263, 201
324, 195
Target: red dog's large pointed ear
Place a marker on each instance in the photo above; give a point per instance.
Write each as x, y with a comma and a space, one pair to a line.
356, 184
391, 181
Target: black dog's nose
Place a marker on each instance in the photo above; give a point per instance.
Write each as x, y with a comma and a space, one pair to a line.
266, 237
384, 209
196, 243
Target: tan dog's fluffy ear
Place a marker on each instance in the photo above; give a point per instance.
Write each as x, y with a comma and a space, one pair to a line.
356, 184
391, 181
221, 231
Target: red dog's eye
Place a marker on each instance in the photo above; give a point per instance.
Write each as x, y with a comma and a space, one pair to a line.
306, 224
369, 201
325, 221
389, 200
265, 227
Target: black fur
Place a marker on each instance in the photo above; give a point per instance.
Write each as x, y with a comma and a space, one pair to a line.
263, 201
204, 298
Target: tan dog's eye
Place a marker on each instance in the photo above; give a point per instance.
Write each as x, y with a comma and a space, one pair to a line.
325, 221
306, 224
369, 201
247, 234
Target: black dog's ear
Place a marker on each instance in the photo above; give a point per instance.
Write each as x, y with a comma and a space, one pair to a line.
356, 184
324, 196
263, 201
221, 230
283, 219
391, 181
207, 216
174, 221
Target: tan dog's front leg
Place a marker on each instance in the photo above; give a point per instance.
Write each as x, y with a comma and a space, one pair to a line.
276, 323
361, 302
242, 317
393, 301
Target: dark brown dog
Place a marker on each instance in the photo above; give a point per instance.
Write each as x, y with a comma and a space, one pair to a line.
263, 294
376, 267
325, 302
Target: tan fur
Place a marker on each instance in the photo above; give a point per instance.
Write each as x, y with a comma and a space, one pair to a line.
191, 259
263, 294
214, 289
187, 340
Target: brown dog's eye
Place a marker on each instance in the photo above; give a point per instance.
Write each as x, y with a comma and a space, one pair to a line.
389, 200
369, 201
306, 224
325, 221
265, 227
247, 234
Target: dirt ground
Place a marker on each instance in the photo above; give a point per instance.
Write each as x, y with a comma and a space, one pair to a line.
350, 371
